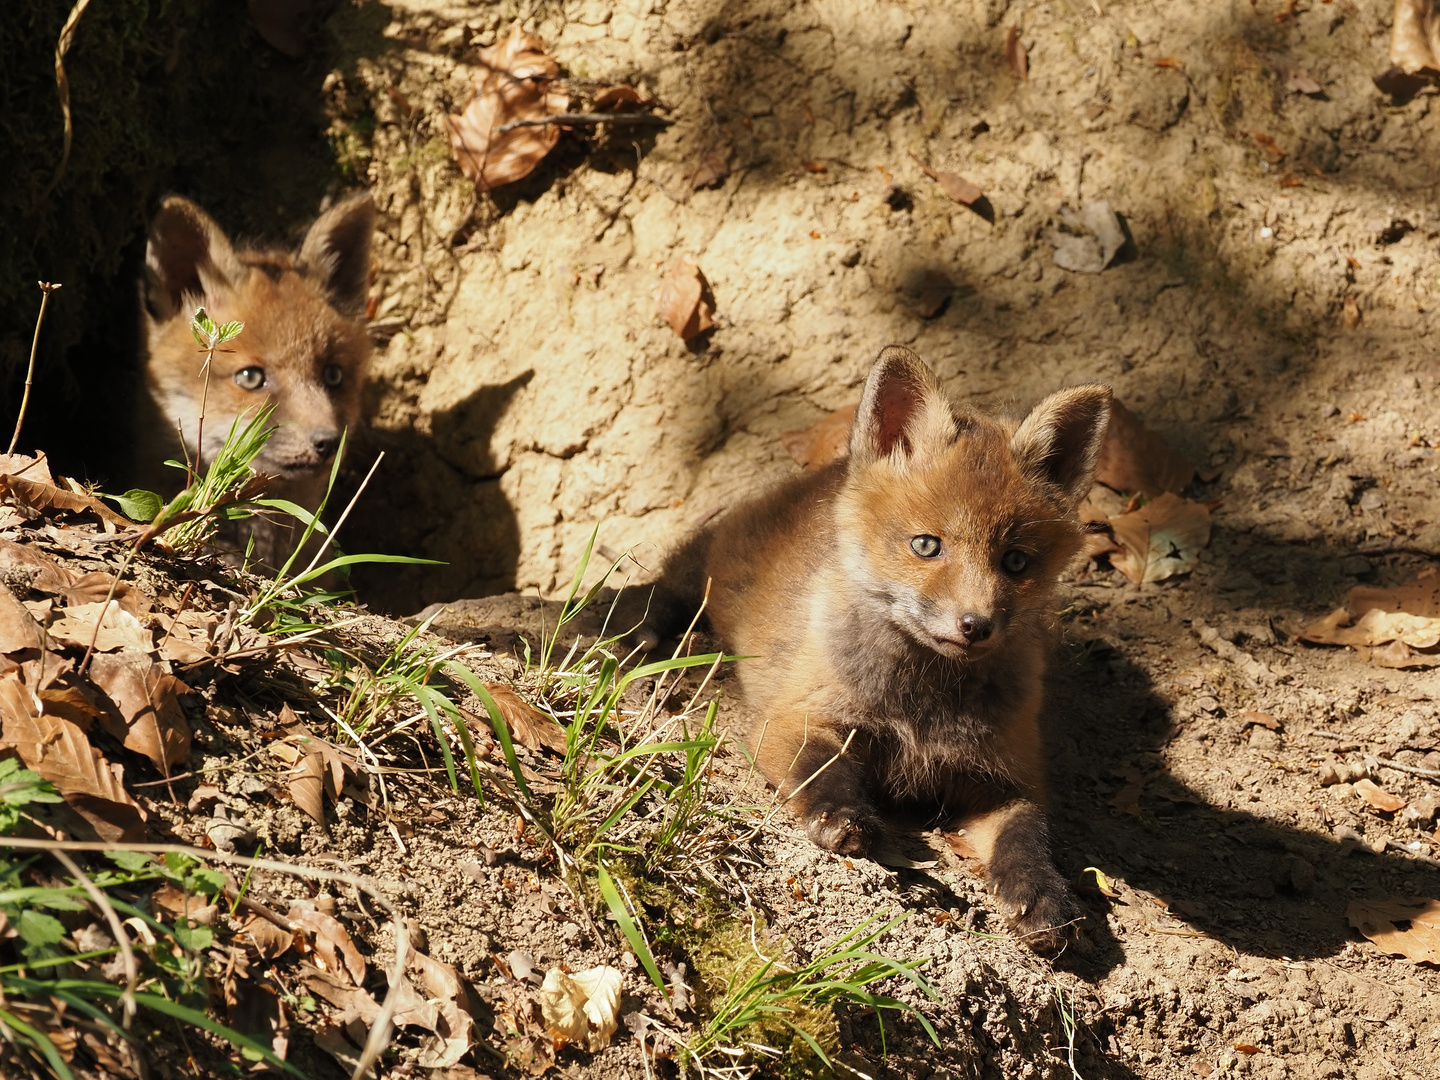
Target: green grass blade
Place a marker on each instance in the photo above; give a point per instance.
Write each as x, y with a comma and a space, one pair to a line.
423, 695
631, 931
497, 722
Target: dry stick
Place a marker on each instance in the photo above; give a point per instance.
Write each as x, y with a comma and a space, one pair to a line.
1429, 774
62, 86
184, 599
46, 288
330, 537
105, 610
379, 1030
122, 939
839, 754
644, 119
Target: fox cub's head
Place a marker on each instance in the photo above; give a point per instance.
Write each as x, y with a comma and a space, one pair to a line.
303, 349
956, 525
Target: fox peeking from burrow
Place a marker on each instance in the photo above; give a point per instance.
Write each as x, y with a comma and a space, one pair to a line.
303, 350
898, 609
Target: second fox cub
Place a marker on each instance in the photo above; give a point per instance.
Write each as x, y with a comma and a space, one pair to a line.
303, 349
898, 607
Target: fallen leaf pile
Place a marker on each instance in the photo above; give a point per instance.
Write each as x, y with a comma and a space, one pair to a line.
1401, 626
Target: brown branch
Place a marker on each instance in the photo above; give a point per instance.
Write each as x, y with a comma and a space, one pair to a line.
644, 119
46, 288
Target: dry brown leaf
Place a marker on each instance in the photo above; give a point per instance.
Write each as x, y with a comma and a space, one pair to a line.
50, 577
1350, 313
38, 496
1415, 37
711, 167
354, 1002
118, 629
1269, 148
1378, 797
528, 725
1134, 459
307, 785
960, 845
445, 990
682, 298
618, 99
1408, 614
1301, 81
1015, 54
516, 83
94, 588
332, 941
148, 717
269, 940
1265, 720
1377, 920
825, 441
175, 903
1161, 539
18, 629
953, 184
36, 469
60, 752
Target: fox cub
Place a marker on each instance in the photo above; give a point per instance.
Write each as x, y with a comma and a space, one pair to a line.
303, 350
898, 608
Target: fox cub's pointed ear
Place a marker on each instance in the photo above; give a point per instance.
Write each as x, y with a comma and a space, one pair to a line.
903, 408
187, 255
1058, 443
336, 252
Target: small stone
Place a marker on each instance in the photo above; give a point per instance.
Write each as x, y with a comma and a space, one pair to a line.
1421, 811
1372, 499
1328, 774
1343, 790
1328, 410
1264, 739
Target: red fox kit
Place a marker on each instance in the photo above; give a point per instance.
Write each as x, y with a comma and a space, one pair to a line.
898, 605
303, 349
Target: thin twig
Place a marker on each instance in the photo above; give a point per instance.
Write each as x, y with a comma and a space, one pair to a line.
330, 536
838, 755
62, 86
1429, 774
645, 119
379, 1037
46, 288
122, 939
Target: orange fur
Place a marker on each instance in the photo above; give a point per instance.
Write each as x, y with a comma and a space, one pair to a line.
304, 350
931, 667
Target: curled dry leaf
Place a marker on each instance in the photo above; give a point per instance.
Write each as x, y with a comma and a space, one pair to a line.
39, 496
682, 298
1161, 539
1408, 614
454, 1028
528, 725
1377, 920
1015, 54
59, 751
1087, 240
1378, 797
332, 941
1415, 37
825, 441
515, 83
147, 716
582, 1008
1135, 460
36, 469
18, 629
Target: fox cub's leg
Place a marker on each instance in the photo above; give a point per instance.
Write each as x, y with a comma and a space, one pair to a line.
1014, 843
828, 790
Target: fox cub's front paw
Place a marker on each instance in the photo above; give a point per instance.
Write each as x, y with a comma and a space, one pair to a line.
843, 830
1039, 906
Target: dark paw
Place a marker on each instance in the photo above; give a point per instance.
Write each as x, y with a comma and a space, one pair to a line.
844, 832
1040, 908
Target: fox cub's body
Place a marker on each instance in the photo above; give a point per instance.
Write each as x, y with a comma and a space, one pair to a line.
898, 608
303, 350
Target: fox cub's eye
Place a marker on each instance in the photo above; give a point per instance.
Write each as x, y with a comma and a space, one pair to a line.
927, 547
333, 375
1015, 561
250, 378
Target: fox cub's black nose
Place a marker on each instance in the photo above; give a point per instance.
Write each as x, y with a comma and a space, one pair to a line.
325, 442
975, 627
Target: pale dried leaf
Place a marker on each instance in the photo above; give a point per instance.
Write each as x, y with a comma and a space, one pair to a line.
825, 441
1135, 460
36, 469
118, 629
175, 903
60, 752
354, 1002
961, 845
95, 587
307, 786
332, 941
582, 1008
18, 628
145, 695
1415, 36
515, 83
1161, 539
1375, 627
953, 184
1301, 81
528, 725
1377, 920
1378, 797
682, 299
1087, 240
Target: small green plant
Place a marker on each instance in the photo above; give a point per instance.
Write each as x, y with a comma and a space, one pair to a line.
768, 1010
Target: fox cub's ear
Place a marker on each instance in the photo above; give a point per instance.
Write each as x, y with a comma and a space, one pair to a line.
187, 255
336, 252
1057, 444
903, 409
